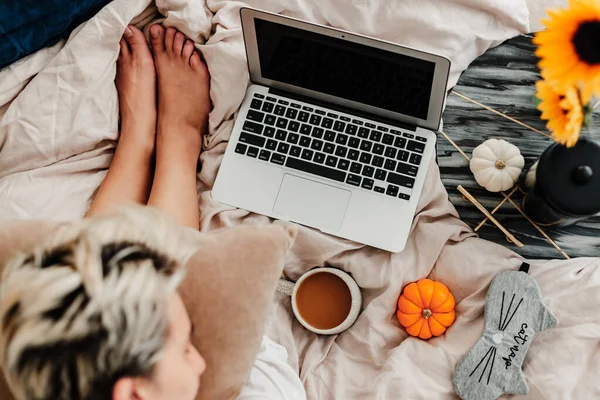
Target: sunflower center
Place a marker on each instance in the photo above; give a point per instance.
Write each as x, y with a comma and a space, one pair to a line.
587, 42
560, 99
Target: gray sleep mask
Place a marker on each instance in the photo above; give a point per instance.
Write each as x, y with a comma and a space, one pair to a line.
514, 312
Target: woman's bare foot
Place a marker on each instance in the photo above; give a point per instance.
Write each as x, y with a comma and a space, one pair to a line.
130, 174
183, 107
136, 84
183, 86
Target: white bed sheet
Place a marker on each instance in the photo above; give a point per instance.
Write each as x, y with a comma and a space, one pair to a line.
58, 129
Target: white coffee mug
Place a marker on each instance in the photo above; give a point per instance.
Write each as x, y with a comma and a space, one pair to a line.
291, 289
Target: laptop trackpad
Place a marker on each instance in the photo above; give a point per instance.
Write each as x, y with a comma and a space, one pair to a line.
311, 203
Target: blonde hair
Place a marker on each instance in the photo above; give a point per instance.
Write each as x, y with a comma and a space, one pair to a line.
87, 306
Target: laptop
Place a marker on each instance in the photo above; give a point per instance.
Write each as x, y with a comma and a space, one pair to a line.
336, 131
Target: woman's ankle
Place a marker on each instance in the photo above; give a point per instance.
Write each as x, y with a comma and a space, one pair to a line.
179, 141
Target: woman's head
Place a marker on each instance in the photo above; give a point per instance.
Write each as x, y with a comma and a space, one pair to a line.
83, 317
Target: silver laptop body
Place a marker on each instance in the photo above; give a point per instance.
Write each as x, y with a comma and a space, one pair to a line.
336, 132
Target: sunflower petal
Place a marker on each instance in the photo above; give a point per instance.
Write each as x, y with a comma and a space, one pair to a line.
559, 55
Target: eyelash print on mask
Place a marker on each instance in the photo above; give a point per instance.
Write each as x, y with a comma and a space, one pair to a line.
502, 326
503, 323
514, 313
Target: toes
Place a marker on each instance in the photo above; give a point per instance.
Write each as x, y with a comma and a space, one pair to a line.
178, 43
125, 52
169, 38
195, 60
188, 49
157, 37
135, 38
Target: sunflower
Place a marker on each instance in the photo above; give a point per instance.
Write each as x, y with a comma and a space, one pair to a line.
569, 48
563, 112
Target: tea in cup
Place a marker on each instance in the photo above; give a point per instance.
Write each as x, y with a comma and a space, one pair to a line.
326, 301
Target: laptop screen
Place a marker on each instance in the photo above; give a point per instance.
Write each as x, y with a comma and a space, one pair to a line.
379, 78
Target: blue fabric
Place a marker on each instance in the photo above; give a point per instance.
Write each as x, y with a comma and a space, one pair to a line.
29, 25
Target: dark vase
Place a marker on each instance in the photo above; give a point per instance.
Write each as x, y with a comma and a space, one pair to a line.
563, 186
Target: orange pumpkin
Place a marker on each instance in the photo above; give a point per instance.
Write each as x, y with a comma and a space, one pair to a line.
426, 308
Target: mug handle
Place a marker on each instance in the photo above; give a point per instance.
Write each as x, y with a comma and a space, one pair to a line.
285, 287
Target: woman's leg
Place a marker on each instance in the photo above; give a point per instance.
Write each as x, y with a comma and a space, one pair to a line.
183, 107
184, 104
130, 174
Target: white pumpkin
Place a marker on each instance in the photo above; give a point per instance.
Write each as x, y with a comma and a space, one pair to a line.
531, 176
496, 164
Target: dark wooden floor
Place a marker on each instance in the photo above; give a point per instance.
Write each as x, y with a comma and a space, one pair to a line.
503, 79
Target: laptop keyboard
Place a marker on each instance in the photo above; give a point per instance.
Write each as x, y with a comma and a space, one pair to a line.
331, 145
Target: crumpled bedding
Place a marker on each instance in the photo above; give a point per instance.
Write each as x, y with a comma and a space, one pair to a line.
58, 130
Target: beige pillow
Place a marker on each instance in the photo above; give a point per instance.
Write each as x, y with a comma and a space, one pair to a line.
230, 283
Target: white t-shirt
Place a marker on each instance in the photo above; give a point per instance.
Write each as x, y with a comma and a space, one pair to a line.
272, 378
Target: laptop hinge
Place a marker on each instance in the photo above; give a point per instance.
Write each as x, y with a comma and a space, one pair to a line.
347, 110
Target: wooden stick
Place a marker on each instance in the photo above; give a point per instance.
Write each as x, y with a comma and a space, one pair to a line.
481, 208
536, 226
478, 227
457, 147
